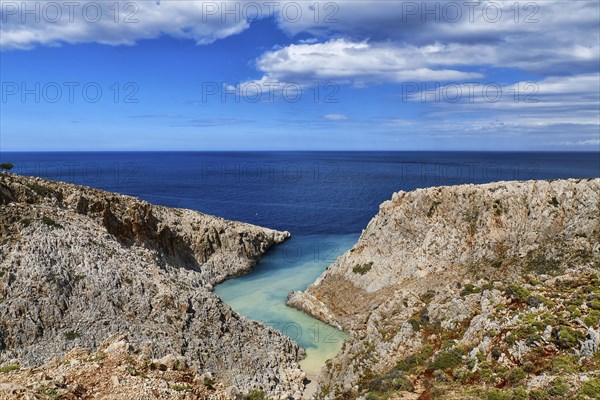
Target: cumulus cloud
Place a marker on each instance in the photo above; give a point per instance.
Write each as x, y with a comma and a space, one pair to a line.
31, 23
362, 43
404, 39
362, 63
536, 36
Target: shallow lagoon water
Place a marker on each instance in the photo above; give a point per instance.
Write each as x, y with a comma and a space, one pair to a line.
293, 265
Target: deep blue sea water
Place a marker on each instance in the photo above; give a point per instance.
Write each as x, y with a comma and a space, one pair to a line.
324, 199
302, 192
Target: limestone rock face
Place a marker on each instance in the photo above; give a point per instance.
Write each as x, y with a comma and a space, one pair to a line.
79, 265
427, 246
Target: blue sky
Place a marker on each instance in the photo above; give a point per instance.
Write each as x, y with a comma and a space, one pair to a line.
188, 75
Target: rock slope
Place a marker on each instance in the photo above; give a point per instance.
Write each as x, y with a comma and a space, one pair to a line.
79, 265
114, 372
444, 279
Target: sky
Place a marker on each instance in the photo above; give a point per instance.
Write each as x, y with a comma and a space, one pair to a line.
299, 75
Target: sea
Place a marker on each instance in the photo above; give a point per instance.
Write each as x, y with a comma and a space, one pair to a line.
324, 199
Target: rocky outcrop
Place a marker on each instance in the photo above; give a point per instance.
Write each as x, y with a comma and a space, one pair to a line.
79, 265
434, 261
116, 371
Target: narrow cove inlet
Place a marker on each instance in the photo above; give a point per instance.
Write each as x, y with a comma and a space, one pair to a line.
291, 266
300, 200
119, 275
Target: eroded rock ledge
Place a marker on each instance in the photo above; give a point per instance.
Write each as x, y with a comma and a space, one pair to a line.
448, 274
79, 265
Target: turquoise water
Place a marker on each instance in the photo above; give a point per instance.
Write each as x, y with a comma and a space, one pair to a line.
294, 265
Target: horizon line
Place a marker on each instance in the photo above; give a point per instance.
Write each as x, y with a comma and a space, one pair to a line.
301, 151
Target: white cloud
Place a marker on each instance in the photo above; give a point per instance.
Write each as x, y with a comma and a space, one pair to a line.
552, 101
362, 62
536, 36
335, 117
566, 113
115, 23
405, 43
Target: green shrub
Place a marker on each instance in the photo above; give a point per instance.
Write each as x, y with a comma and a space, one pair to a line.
534, 301
448, 344
469, 289
209, 383
497, 394
542, 265
9, 367
362, 269
40, 190
528, 366
407, 364
433, 207
590, 320
427, 296
6, 166
426, 352
180, 388
567, 338
51, 223
255, 395
565, 363
497, 207
591, 388
25, 222
447, 360
71, 335
416, 325
520, 394
517, 292
538, 394
393, 381
516, 375
414, 360
558, 388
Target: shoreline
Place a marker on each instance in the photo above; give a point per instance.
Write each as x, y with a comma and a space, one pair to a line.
260, 295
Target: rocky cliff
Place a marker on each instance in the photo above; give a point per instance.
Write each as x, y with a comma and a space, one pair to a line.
79, 265
472, 291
